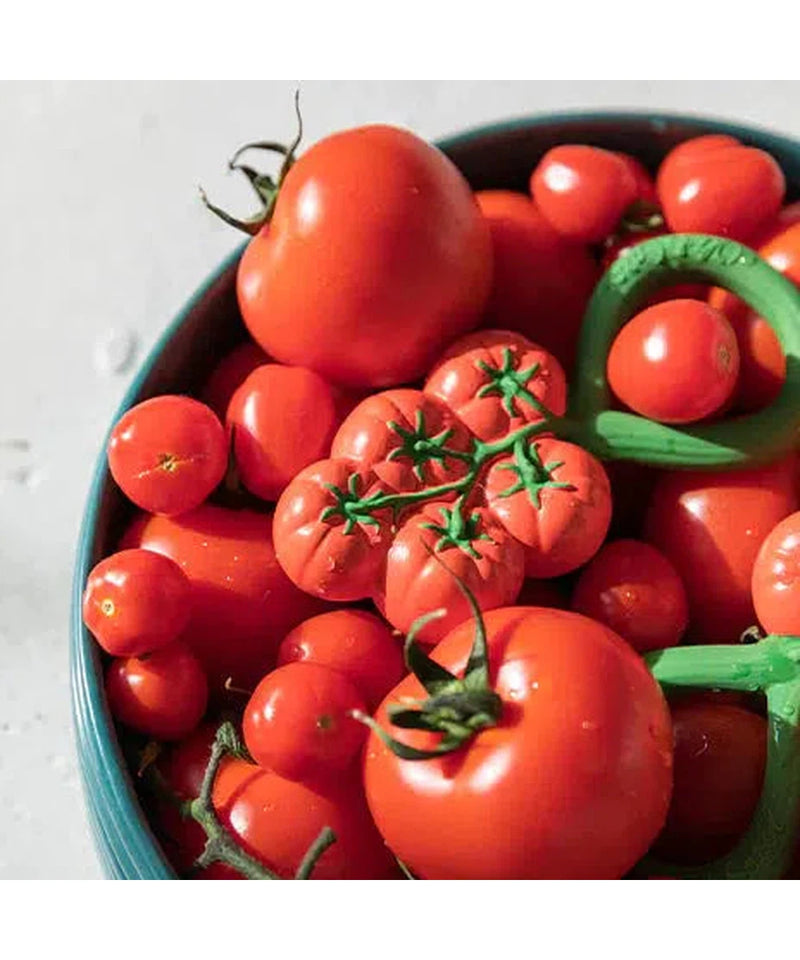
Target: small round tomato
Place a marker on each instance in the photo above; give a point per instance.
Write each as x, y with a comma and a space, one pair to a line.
633, 588
711, 526
281, 419
136, 601
432, 545
404, 436
297, 723
720, 755
716, 185
167, 454
229, 374
583, 191
496, 381
555, 500
163, 694
323, 546
676, 362
354, 642
775, 585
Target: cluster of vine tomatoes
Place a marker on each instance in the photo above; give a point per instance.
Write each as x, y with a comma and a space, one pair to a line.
386, 447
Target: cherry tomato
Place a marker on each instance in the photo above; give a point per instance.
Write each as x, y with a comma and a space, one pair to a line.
281, 420
716, 185
376, 257
711, 526
297, 723
324, 550
720, 754
354, 642
546, 304
243, 604
583, 191
776, 591
162, 694
403, 436
229, 374
573, 782
136, 601
496, 381
432, 545
560, 507
633, 588
167, 454
676, 362
645, 185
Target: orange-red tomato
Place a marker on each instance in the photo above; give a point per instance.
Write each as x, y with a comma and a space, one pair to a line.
376, 257
229, 374
573, 782
775, 585
496, 381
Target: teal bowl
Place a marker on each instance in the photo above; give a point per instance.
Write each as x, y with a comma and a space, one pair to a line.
500, 155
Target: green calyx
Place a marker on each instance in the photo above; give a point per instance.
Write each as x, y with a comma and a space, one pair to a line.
420, 448
352, 508
511, 385
458, 530
531, 474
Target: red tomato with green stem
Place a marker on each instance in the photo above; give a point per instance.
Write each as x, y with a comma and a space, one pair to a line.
776, 579
229, 374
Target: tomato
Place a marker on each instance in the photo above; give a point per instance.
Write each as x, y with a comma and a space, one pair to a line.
645, 186
560, 507
633, 589
720, 755
136, 601
324, 550
161, 694
229, 374
403, 436
354, 642
297, 723
281, 419
167, 454
433, 544
711, 526
496, 381
716, 185
676, 362
573, 782
776, 591
545, 304
243, 604
375, 258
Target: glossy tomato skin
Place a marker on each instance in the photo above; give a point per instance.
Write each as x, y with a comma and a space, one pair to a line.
465, 376
570, 523
711, 526
417, 577
354, 642
675, 362
281, 419
633, 589
243, 604
376, 257
545, 304
162, 695
168, 454
719, 187
135, 602
583, 191
372, 436
573, 782
775, 585
229, 374
317, 552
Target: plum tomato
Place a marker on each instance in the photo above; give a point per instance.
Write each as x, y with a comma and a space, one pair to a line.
633, 589
168, 454
496, 381
354, 642
775, 585
229, 374
554, 498
136, 601
281, 419
375, 258
163, 694
675, 362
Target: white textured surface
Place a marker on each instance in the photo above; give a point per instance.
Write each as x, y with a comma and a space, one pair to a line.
103, 237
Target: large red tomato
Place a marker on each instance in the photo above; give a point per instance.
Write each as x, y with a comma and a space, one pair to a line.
573, 782
375, 258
